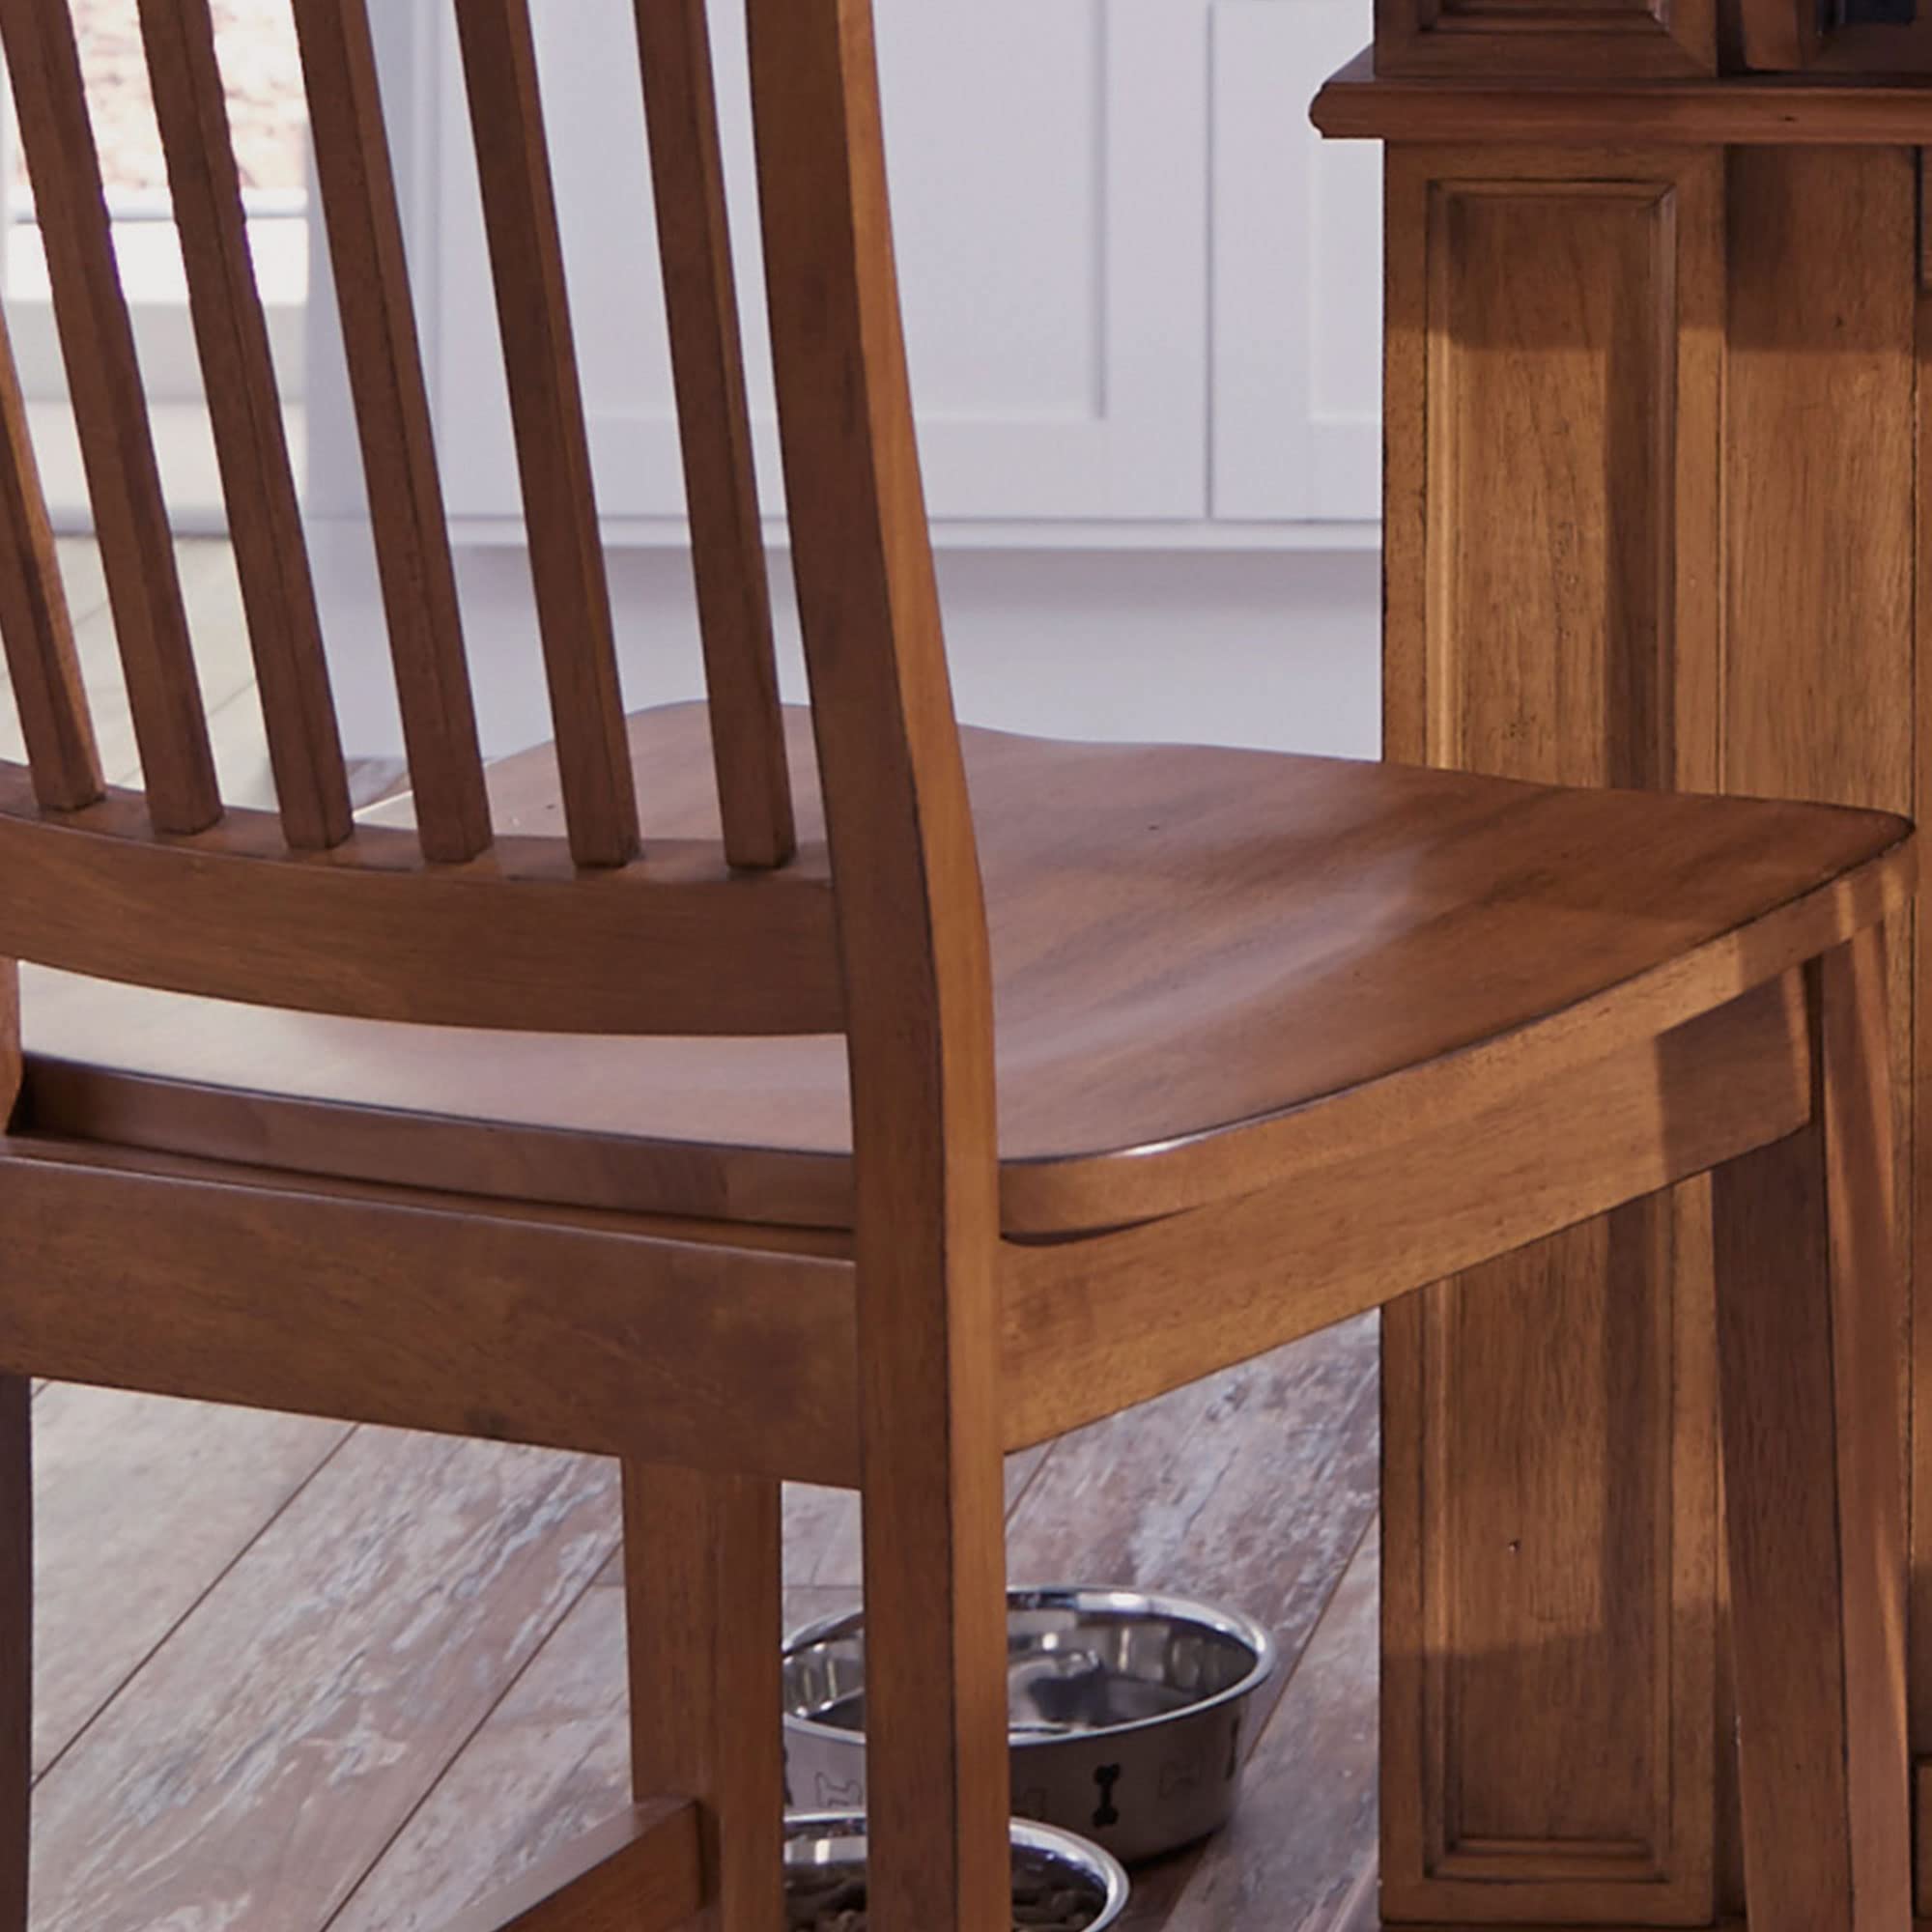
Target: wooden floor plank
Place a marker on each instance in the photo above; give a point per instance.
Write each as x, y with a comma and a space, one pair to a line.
823, 1546
552, 1761
140, 1506
1250, 1489
1300, 1854
276, 1742
1254, 1487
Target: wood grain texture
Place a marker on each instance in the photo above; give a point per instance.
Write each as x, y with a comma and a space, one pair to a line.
245, 413
1553, 374
1094, 1325
357, 192
1780, 36
823, 1529
1205, 1031
918, 976
552, 447
369, 931
1253, 1488
714, 420
36, 623
702, 1590
1800, 371
1300, 1853
111, 416
293, 1722
1652, 40
429, 1315
167, 1492
1872, 110
1915, 1196
550, 1761
640, 1871
17, 1644
1808, 1289
1819, 450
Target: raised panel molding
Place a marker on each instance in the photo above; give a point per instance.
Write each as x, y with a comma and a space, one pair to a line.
1548, 39
1552, 384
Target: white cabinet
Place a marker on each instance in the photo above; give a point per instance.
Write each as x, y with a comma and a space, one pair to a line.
1142, 296
1049, 176
1297, 273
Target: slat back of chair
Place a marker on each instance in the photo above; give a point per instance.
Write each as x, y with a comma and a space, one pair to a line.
863, 561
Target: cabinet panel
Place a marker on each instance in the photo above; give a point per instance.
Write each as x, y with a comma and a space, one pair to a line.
1551, 1479
1049, 173
1297, 274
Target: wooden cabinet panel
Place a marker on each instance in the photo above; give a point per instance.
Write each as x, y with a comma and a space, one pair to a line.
1526, 39
1824, 524
1552, 397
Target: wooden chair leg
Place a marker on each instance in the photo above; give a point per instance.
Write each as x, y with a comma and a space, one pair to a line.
937, 1780
17, 1646
702, 1584
1808, 1295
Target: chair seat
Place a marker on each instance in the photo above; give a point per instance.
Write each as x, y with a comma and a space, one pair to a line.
1187, 943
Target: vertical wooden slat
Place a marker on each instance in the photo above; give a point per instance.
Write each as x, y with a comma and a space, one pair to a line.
702, 1578
918, 979
237, 369
552, 445
110, 413
34, 623
379, 330
714, 421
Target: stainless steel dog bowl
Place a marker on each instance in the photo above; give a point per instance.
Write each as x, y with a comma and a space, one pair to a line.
1129, 1714
825, 1847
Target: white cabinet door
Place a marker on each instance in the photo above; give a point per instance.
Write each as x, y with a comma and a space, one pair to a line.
1049, 169
1298, 271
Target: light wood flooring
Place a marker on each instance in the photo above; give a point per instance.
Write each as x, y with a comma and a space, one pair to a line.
292, 1675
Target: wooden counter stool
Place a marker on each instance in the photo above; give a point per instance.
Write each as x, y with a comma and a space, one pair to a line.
837, 1131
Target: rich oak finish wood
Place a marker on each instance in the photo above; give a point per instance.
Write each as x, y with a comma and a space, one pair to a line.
762, 1133
642, 1872
357, 186
1122, 1316
703, 1588
36, 627
1717, 594
110, 415
1653, 38
17, 1644
1779, 35
429, 1313
1364, 103
1396, 1021
1814, 1487
1597, 1334
245, 411
918, 978
500, 66
369, 931
708, 366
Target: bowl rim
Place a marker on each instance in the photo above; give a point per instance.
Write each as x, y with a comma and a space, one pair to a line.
1069, 1845
1236, 1625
